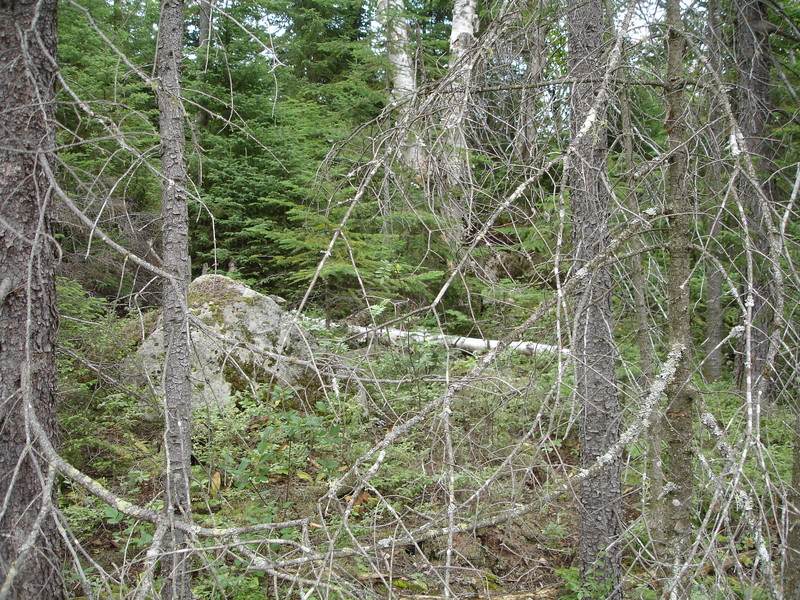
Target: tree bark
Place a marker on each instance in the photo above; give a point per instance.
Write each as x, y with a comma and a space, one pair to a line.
754, 107
674, 501
457, 203
203, 48
403, 80
712, 364
175, 231
204, 30
593, 345
30, 546
535, 53
464, 25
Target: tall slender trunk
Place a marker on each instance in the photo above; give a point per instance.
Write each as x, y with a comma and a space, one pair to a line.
674, 502
204, 30
30, 545
712, 365
457, 202
754, 107
593, 339
203, 49
535, 52
175, 231
403, 80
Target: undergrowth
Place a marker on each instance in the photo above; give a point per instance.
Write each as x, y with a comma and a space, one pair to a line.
270, 455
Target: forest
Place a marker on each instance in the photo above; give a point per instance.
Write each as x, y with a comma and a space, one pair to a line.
399, 299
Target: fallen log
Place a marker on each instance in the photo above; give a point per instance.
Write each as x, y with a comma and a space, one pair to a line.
467, 344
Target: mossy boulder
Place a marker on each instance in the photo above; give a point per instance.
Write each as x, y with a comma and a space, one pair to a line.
239, 339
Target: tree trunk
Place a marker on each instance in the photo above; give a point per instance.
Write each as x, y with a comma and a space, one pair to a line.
535, 52
204, 31
593, 343
391, 14
203, 48
712, 364
753, 61
30, 545
177, 389
462, 32
674, 501
457, 201
403, 80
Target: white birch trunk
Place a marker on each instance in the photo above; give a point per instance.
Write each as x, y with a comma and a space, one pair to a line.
402, 77
465, 23
456, 207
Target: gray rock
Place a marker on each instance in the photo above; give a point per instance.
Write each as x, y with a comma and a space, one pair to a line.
245, 339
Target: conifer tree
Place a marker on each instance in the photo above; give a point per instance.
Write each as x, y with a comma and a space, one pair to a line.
30, 544
754, 63
672, 497
593, 349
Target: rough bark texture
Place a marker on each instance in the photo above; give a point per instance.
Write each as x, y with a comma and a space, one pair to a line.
203, 48
204, 30
177, 387
674, 501
712, 365
30, 548
593, 342
535, 45
754, 107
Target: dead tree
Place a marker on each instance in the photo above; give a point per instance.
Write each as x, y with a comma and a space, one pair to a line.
175, 231
673, 476
754, 107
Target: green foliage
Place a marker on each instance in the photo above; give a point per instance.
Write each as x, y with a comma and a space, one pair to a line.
592, 586
85, 513
320, 38
381, 262
710, 589
97, 418
107, 132
258, 440
248, 190
433, 21
270, 128
404, 481
266, 106
133, 534
231, 581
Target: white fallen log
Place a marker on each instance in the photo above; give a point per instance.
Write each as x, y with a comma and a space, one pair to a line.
467, 344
